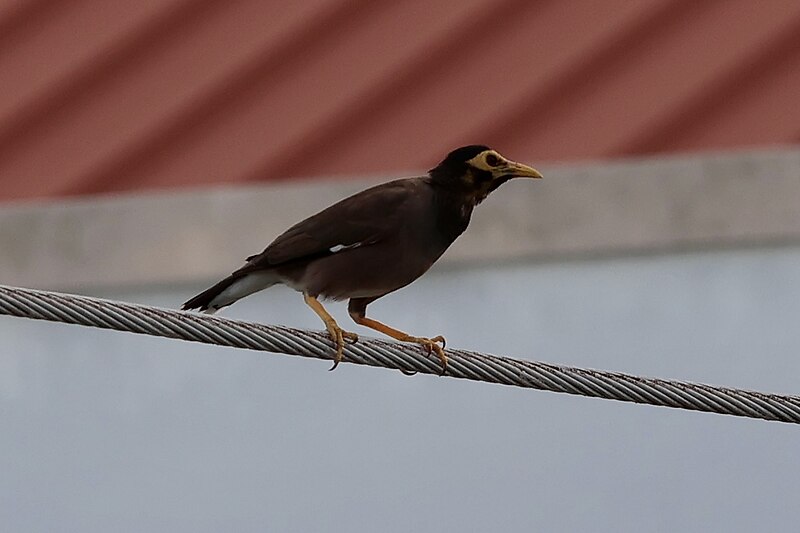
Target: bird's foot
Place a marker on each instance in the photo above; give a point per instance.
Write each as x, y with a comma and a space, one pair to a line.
431, 345
338, 336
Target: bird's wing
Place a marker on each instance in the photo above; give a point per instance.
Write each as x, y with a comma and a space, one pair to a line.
363, 219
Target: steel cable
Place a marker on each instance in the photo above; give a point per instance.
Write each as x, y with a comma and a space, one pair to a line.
146, 320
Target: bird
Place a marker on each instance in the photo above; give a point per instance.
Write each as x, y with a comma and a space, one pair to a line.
372, 243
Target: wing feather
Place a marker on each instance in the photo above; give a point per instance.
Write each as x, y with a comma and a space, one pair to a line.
365, 218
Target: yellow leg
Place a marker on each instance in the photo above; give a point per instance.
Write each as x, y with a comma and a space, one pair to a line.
429, 344
337, 334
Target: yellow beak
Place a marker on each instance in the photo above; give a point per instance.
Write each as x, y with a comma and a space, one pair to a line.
518, 170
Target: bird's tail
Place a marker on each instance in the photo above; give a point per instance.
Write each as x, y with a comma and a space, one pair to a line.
229, 290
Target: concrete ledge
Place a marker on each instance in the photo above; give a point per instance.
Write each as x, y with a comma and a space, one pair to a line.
622, 207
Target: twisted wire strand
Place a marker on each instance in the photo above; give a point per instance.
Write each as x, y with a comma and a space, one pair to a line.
146, 320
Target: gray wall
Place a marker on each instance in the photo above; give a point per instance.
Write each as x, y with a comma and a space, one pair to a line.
617, 208
106, 431
110, 432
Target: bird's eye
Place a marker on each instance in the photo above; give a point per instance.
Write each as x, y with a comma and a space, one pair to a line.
492, 160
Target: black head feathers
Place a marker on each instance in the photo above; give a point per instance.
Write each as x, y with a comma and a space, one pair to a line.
455, 164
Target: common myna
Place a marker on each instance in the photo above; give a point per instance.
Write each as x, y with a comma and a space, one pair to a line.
372, 243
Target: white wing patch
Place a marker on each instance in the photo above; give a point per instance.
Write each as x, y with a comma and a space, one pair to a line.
340, 247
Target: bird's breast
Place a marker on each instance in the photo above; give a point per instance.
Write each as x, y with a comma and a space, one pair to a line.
366, 272
426, 229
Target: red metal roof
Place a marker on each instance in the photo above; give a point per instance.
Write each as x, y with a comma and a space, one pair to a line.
107, 95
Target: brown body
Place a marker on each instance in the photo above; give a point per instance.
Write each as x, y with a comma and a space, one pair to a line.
381, 260
372, 243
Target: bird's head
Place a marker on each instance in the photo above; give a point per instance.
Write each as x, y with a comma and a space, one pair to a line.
477, 170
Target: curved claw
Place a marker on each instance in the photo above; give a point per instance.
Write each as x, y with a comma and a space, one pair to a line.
441, 339
442, 357
338, 335
431, 346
